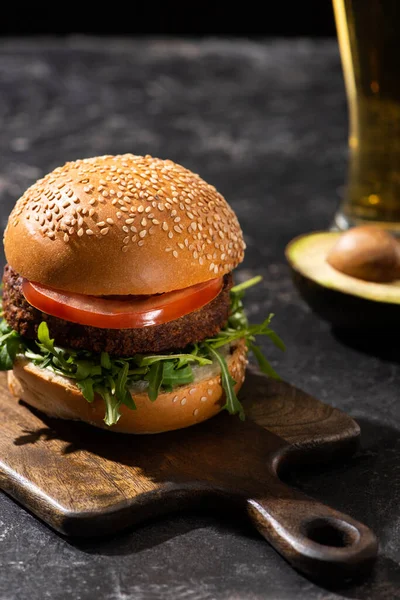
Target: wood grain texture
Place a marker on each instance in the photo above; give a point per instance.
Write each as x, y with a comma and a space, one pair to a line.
84, 481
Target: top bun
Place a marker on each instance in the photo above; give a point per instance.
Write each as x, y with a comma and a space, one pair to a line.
122, 225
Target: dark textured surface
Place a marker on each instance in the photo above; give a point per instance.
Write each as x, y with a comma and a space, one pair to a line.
265, 123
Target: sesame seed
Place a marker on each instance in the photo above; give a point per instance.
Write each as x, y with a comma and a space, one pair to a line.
124, 248
195, 412
80, 232
92, 201
155, 222
91, 212
140, 208
165, 226
123, 208
143, 222
151, 230
100, 224
209, 392
80, 222
168, 249
134, 229
128, 221
51, 235
203, 399
142, 233
104, 231
183, 401
66, 237
175, 253
89, 232
175, 399
177, 229
110, 221
170, 235
140, 242
134, 238
192, 391
125, 228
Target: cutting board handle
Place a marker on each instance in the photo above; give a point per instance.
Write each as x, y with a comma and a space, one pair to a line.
317, 540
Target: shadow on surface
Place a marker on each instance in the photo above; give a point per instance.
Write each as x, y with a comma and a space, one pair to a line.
367, 487
372, 343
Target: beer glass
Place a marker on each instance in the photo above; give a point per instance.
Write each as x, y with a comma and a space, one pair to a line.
368, 34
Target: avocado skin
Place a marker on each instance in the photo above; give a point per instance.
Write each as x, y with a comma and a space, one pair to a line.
343, 310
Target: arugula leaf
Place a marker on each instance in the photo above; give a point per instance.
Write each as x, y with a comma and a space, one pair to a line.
232, 404
44, 342
155, 379
86, 387
105, 360
241, 287
6, 362
173, 377
122, 378
112, 415
186, 358
264, 365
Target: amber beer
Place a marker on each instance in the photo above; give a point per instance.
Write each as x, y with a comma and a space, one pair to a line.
369, 41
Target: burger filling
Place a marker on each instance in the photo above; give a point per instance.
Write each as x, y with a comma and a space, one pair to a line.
117, 362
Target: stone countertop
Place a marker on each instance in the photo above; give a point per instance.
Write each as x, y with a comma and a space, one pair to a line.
266, 123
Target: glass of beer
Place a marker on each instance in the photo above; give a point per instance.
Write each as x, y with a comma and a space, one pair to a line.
369, 40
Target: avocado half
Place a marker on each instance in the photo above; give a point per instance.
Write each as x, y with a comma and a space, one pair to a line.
340, 299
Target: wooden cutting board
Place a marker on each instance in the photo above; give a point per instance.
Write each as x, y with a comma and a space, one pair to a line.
84, 481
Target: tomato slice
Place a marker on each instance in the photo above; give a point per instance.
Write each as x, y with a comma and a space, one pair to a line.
130, 312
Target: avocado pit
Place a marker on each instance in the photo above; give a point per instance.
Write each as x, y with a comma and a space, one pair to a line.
367, 252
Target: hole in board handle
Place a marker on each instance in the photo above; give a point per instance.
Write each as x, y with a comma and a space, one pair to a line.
331, 532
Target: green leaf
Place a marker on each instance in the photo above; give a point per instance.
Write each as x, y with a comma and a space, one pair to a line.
155, 378
276, 340
232, 404
83, 369
86, 387
241, 287
112, 415
4, 327
175, 377
264, 365
105, 360
120, 388
9, 348
183, 358
44, 338
129, 401
6, 362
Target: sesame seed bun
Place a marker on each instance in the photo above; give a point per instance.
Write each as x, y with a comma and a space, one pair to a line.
187, 405
122, 225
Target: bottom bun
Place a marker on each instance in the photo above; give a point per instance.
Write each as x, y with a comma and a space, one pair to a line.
187, 405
